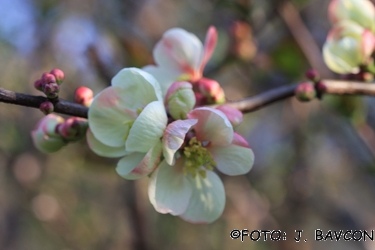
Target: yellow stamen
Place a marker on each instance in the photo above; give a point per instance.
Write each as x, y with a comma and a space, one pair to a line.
197, 159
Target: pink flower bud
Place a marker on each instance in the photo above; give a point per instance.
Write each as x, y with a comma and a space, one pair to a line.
38, 84
59, 75
211, 89
83, 96
180, 99
51, 90
73, 129
234, 115
305, 92
48, 78
312, 75
46, 107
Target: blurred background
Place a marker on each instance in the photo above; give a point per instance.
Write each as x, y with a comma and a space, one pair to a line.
315, 162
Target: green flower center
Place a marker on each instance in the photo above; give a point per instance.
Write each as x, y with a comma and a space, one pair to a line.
197, 159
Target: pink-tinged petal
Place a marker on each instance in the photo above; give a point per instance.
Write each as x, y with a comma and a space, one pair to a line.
213, 126
332, 11
174, 137
368, 44
233, 159
207, 201
148, 128
234, 115
239, 140
102, 149
209, 46
138, 165
179, 51
169, 189
142, 85
110, 117
164, 76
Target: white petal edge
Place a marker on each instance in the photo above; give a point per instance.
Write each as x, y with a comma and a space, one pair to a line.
207, 201
169, 190
144, 83
148, 128
138, 165
104, 150
212, 126
232, 159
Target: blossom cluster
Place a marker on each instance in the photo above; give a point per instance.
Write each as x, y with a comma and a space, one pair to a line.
155, 121
350, 43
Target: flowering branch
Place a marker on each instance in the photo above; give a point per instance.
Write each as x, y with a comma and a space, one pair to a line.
334, 87
61, 106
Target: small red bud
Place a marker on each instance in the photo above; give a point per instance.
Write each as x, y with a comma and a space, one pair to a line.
38, 84
48, 78
46, 107
59, 75
83, 96
305, 92
312, 75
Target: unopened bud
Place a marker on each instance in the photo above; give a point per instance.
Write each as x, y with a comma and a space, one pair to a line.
234, 115
83, 96
51, 90
38, 84
73, 129
44, 135
312, 75
180, 99
212, 90
48, 78
305, 92
46, 107
59, 75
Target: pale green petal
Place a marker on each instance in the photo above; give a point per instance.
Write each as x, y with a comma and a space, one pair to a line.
102, 149
169, 189
46, 143
141, 85
110, 116
340, 61
232, 159
164, 76
213, 126
207, 201
148, 128
174, 137
138, 165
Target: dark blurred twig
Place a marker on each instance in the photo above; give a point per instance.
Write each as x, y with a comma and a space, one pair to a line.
334, 87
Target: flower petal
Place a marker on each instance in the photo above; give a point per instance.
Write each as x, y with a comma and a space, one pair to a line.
148, 128
234, 159
110, 116
164, 76
174, 137
212, 126
138, 165
102, 149
207, 201
142, 85
180, 51
209, 46
169, 189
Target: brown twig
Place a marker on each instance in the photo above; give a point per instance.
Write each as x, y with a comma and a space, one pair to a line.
334, 87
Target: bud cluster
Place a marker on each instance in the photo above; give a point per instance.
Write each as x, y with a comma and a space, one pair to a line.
351, 42
53, 132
